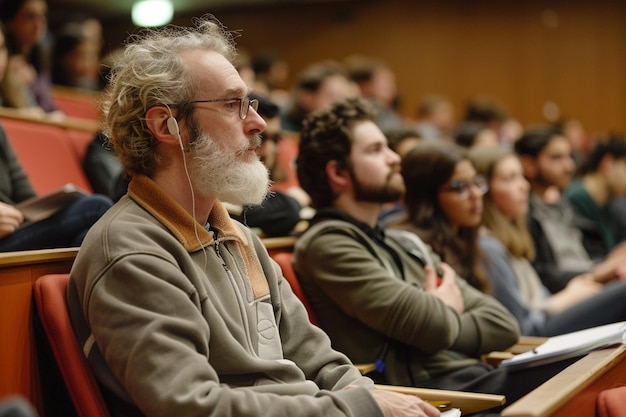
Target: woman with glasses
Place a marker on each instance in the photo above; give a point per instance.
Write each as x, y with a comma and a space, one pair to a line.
507, 251
444, 205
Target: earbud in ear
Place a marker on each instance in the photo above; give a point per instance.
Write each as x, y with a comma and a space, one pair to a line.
172, 126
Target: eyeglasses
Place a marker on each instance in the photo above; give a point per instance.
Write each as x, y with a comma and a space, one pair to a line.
244, 104
464, 188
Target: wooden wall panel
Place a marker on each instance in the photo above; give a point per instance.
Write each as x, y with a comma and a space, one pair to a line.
520, 53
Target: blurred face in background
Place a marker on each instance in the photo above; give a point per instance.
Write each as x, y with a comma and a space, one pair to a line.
30, 24
508, 188
554, 164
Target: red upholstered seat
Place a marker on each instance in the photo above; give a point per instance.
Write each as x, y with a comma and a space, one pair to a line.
50, 298
47, 154
284, 259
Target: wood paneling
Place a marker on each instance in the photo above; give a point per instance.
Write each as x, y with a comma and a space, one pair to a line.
521, 54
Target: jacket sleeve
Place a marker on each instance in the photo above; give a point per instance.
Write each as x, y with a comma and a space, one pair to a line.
485, 324
349, 272
18, 186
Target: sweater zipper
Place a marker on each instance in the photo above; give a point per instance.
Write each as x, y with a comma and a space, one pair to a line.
241, 301
219, 255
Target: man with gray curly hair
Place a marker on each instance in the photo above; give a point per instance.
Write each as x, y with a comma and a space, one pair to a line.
179, 309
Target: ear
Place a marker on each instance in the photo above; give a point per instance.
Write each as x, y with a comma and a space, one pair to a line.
156, 120
338, 178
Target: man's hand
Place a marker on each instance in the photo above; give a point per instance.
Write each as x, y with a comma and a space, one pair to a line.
394, 404
447, 290
10, 219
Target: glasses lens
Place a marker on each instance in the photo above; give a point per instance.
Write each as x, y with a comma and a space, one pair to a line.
243, 110
246, 103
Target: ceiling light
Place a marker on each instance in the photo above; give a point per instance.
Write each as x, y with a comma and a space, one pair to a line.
152, 12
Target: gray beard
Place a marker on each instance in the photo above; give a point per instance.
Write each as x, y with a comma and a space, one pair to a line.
222, 174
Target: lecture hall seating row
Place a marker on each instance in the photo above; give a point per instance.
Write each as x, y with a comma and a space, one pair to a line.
573, 392
51, 151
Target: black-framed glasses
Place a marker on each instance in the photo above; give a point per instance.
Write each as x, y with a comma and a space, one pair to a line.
244, 104
463, 188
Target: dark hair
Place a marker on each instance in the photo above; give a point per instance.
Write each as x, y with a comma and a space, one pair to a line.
614, 145
9, 9
39, 56
467, 132
326, 136
485, 111
535, 139
427, 168
396, 136
66, 40
267, 108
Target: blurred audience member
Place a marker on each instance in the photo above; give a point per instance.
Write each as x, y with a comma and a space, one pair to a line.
318, 86
76, 58
377, 83
435, 117
574, 131
507, 248
471, 133
493, 115
602, 181
27, 83
272, 77
402, 140
560, 252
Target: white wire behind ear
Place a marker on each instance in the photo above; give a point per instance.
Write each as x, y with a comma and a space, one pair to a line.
172, 127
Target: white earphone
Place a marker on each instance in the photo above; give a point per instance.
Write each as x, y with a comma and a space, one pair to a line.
172, 127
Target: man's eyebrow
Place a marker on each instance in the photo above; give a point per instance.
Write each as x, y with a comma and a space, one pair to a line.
236, 92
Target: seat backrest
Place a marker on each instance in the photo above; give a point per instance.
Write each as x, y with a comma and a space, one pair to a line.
612, 402
47, 155
50, 299
285, 261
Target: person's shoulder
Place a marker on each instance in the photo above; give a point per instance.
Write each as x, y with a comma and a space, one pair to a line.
489, 244
331, 227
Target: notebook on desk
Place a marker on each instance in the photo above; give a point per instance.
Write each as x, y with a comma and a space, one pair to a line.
570, 345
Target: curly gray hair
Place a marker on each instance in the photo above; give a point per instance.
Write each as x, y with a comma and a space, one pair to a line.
150, 72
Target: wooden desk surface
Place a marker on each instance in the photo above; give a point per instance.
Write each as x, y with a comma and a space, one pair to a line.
468, 402
573, 392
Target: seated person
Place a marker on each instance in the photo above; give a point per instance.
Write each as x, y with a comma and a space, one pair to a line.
560, 252
66, 228
427, 171
507, 249
103, 169
179, 309
27, 84
377, 301
602, 181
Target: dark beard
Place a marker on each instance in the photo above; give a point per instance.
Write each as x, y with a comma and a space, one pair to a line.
387, 193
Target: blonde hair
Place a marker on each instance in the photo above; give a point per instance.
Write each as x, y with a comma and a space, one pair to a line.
513, 234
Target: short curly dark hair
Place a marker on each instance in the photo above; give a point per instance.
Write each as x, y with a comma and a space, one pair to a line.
327, 136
